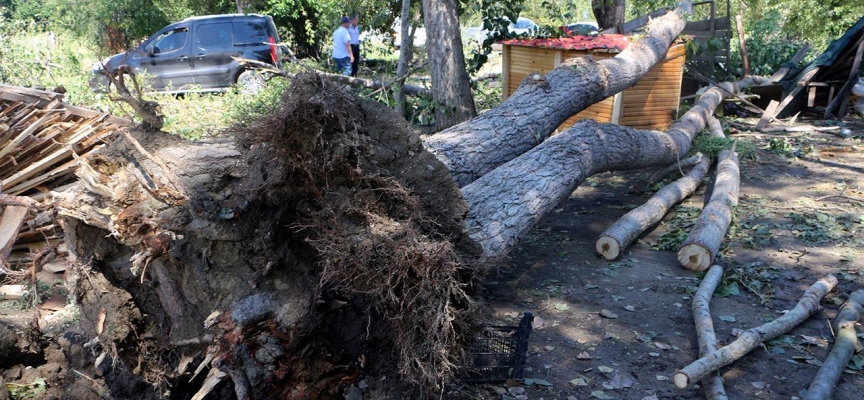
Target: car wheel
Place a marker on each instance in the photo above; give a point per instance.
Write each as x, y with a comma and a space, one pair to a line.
250, 82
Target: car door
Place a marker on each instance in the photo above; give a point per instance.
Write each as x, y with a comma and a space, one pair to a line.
213, 46
168, 64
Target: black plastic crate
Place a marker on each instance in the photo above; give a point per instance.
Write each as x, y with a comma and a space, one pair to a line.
500, 352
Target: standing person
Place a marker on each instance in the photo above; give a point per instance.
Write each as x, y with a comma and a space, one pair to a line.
343, 56
354, 31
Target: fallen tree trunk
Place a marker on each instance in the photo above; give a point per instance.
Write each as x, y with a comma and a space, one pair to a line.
703, 242
712, 385
752, 338
507, 202
845, 345
624, 231
476, 147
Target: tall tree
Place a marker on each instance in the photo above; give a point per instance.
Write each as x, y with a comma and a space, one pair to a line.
404, 56
451, 91
609, 13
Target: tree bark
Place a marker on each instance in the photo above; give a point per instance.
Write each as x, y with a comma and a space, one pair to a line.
451, 92
742, 44
404, 57
752, 338
713, 385
618, 236
845, 345
507, 202
472, 149
702, 244
609, 13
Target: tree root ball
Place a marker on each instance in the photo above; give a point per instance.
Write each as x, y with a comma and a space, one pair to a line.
325, 241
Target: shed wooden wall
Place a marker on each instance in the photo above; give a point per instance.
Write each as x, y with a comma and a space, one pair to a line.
650, 104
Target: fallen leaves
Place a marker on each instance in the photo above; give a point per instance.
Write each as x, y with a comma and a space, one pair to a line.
605, 369
619, 381
584, 356
608, 314
727, 318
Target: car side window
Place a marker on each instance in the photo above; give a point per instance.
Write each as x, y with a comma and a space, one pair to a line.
250, 33
215, 36
169, 41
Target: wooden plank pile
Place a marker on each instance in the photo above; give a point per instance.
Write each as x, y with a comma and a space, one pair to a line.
41, 139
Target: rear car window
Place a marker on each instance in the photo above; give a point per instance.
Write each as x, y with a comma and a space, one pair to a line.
214, 36
250, 33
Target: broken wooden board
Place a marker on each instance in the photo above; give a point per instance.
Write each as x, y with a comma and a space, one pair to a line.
10, 224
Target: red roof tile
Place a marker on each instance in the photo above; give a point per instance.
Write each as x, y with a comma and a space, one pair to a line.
612, 42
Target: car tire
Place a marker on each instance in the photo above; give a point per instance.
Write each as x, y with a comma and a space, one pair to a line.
250, 82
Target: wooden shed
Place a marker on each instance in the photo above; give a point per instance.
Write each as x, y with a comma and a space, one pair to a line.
651, 104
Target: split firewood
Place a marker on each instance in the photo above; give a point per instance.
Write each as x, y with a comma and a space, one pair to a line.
845, 345
631, 225
752, 338
701, 246
705, 335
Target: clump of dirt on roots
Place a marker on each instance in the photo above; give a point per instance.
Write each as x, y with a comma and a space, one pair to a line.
382, 217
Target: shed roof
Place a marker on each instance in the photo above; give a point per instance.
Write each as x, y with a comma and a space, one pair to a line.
611, 42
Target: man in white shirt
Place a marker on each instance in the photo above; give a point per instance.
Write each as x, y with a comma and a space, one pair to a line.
342, 54
354, 32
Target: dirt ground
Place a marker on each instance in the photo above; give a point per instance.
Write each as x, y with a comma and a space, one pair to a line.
620, 329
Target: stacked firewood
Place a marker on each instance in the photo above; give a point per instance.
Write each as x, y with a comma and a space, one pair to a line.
41, 138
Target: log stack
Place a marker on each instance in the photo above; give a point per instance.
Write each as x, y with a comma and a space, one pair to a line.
41, 138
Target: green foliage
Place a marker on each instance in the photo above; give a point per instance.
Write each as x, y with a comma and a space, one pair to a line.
183, 115
35, 389
682, 218
712, 146
815, 227
496, 16
789, 148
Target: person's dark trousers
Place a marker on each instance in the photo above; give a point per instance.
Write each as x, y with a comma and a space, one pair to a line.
355, 66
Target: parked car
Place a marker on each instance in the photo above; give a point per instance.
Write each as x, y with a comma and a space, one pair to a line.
522, 25
195, 55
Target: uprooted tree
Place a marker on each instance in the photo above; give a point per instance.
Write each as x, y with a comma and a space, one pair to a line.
325, 240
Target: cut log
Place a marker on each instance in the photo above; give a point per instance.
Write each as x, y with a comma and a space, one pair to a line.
845, 345
631, 225
752, 338
506, 203
707, 339
473, 148
701, 246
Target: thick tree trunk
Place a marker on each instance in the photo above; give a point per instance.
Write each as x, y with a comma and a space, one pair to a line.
624, 231
845, 346
609, 13
472, 149
404, 57
507, 202
702, 244
752, 338
451, 91
713, 385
